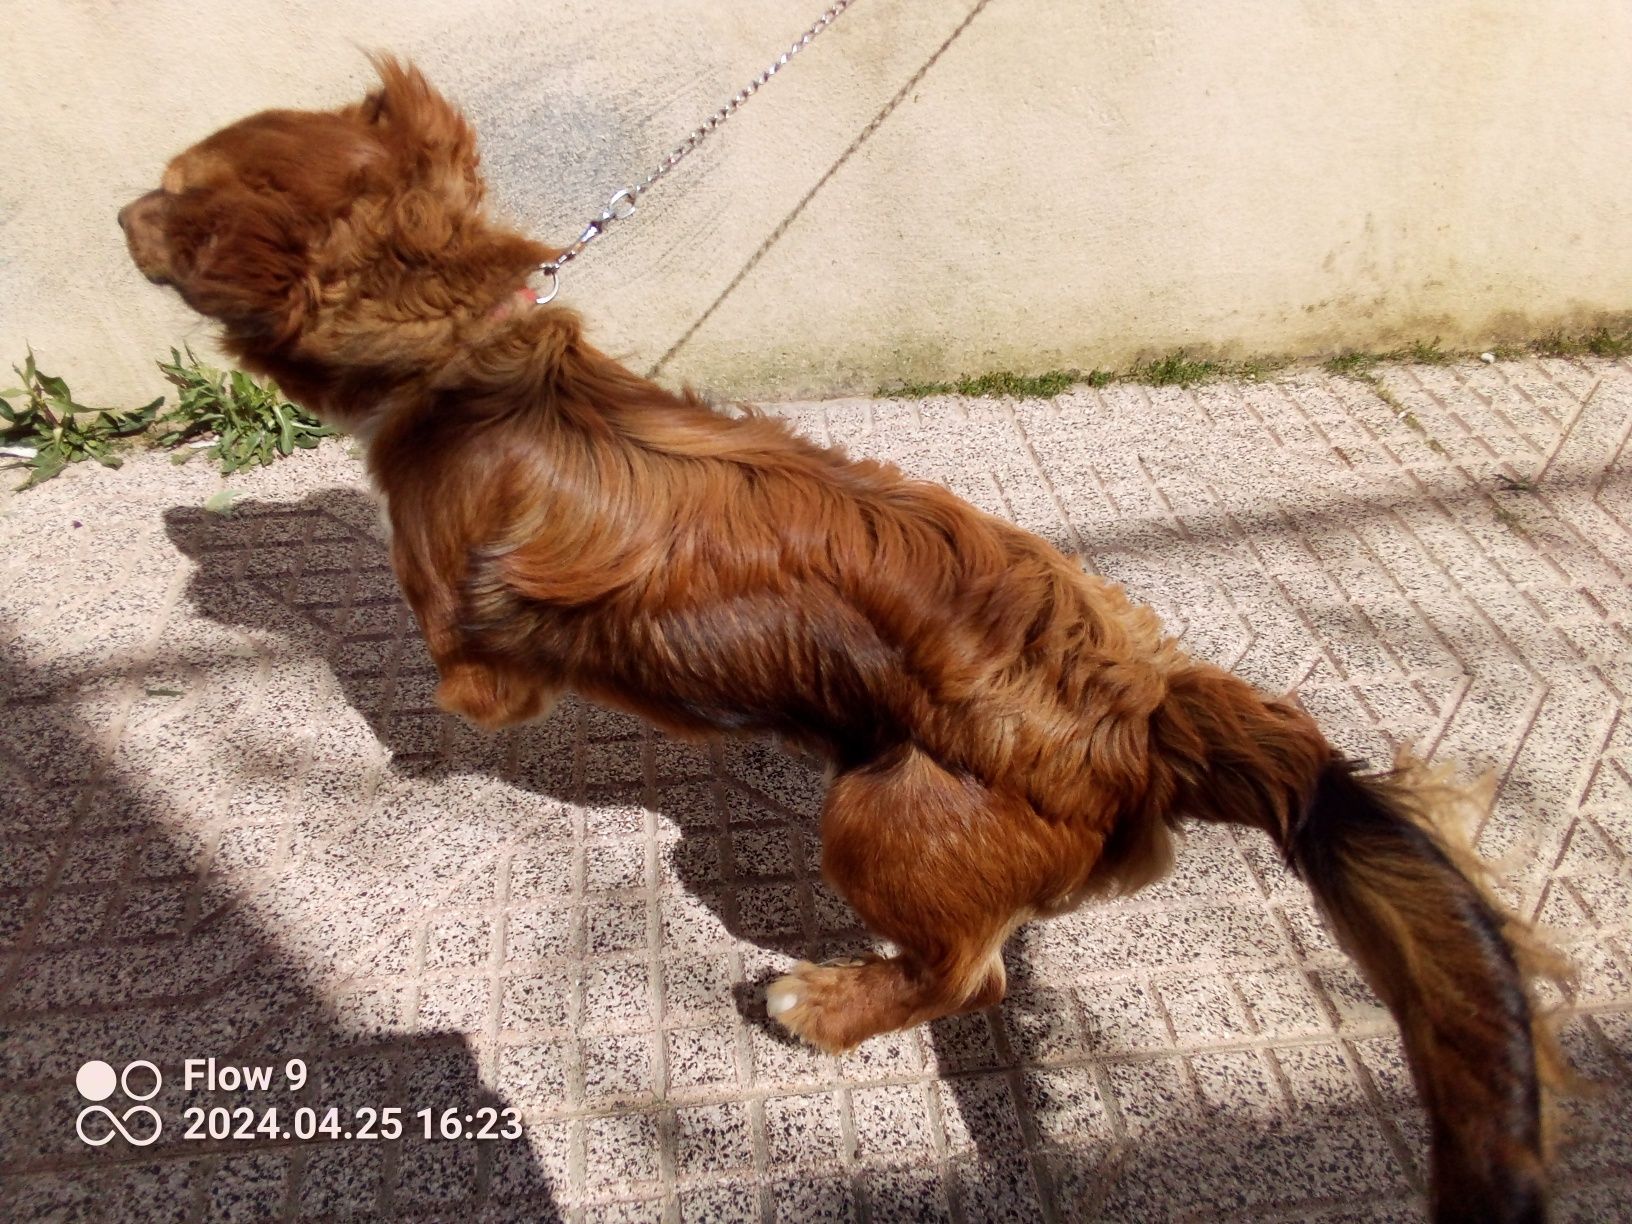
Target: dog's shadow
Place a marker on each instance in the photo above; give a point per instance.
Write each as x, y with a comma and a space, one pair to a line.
738, 818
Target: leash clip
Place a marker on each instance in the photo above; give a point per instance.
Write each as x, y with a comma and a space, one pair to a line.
619, 208
553, 271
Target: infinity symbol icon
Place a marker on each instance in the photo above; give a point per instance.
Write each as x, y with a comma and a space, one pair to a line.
97, 1081
118, 1126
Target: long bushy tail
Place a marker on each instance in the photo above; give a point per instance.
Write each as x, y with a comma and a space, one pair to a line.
1453, 966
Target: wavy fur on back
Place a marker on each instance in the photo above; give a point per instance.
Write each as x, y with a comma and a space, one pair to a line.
1008, 734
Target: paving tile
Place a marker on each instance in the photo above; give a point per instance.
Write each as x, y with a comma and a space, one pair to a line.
998, 1189
434, 1173
459, 942
888, 1056
1254, 1166
535, 1168
813, 1200
1236, 1081
711, 1139
248, 1187
1121, 1015
892, 1124
963, 1043
617, 1068
778, 1061
1066, 1106
702, 1060
803, 1130
897, 1193
724, 1202
621, 1151
1202, 1009
1152, 1094
1280, 1002
1318, 1076
454, 1005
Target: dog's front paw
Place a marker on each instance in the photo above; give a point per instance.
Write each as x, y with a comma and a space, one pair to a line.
819, 1004
489, 698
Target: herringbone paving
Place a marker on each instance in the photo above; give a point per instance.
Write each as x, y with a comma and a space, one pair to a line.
233, 826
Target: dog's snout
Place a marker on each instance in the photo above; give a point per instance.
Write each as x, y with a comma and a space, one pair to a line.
129, 214
141, 222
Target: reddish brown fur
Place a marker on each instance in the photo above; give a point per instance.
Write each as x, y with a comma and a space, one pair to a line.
1009, 735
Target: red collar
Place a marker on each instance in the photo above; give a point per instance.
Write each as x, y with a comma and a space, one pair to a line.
513, 303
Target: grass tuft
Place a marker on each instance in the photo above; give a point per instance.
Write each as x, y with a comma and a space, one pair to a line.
1423, 352
1020, 386
1180, 370
1175, 370
1600, 343
1017, 386
1352, 365
44, 429
1256, 369
236, 419
1604, 342
250, 421
916, 390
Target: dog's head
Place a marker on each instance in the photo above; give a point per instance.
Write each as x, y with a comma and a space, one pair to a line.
312, 234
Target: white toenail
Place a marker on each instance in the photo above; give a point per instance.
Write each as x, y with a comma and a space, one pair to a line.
780, 998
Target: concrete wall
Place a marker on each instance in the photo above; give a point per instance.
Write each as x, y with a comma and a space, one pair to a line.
1068, 183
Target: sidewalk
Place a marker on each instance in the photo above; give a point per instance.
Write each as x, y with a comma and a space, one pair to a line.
234, 826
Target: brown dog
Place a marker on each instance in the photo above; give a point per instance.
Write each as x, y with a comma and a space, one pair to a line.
1008, 735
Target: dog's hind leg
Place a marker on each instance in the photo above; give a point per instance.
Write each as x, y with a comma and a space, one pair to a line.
945, 870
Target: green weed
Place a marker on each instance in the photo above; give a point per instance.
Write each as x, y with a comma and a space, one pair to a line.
1175, 370
1352, 365
1423, 352
250, 421
45, 429
916, 390
1600, 343
1019, 386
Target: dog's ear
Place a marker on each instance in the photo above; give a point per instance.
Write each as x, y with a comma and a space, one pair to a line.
434, 145
243, 260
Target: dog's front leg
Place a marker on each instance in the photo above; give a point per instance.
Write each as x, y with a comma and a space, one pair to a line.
488, 696
483, 692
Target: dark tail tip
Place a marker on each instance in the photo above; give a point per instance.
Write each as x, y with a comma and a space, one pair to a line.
1436, 946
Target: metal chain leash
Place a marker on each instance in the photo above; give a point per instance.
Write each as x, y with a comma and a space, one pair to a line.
622, 204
